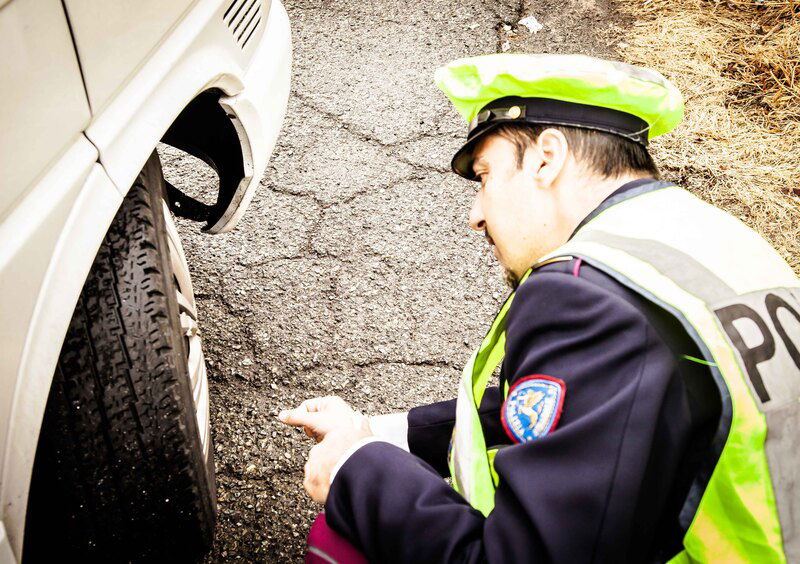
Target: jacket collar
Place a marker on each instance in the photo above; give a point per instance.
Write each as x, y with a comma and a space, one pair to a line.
625, 192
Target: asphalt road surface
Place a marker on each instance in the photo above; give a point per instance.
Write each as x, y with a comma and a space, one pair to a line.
354, 271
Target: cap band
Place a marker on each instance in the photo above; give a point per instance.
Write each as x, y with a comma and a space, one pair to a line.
547, 111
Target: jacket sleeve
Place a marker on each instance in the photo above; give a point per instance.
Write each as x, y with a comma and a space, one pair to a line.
430, 428
567, 496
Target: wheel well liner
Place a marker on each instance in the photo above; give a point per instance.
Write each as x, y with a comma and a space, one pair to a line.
204, 129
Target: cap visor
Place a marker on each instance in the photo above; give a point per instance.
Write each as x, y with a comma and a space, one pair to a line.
462, 160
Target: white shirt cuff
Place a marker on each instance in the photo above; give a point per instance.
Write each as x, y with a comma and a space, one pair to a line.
349, 452
392, 428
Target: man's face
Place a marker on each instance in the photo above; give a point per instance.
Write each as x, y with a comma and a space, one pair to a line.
516, 207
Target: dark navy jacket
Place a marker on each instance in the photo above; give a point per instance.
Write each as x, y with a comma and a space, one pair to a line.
605, 485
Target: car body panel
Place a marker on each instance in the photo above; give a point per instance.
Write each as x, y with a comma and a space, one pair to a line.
67, 215
36, 31
114, 38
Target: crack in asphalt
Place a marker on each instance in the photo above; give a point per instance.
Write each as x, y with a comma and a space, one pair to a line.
357, 132
308, 250
239, 313
271, 260
380, 362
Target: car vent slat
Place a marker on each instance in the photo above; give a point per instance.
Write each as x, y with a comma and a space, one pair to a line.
246, 27
228, 11
255, 27
243, 17
238, 5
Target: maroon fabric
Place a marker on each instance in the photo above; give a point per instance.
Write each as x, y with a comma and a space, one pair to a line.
326, 546
576, 271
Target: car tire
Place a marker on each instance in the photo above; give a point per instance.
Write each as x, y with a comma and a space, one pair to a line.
124, 467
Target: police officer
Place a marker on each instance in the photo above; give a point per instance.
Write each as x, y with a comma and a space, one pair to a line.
649, 398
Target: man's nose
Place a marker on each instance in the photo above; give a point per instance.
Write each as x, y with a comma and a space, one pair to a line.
476, 219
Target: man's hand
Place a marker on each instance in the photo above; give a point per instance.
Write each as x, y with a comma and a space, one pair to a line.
320, 416
336, 427
324, 456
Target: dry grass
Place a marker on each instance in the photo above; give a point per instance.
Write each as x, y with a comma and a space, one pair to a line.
738, 66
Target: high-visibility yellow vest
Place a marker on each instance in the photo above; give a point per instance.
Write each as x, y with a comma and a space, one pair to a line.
740, 302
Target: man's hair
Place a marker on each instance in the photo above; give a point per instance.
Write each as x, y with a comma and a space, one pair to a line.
604, 153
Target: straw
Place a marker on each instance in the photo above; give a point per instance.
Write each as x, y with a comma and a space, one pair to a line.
738, 66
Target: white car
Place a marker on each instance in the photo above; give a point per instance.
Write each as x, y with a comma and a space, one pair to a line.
105, 448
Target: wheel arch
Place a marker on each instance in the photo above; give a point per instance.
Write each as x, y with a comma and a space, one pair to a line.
210, 130
195, 64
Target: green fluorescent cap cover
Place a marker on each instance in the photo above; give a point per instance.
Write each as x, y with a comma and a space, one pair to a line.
473, 82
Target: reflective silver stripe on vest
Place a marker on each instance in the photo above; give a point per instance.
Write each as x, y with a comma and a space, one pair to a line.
763, 328
679, 267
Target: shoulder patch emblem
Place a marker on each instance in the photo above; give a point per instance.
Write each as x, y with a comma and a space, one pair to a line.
533, 407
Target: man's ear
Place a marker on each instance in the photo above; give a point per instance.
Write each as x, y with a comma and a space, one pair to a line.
554, 150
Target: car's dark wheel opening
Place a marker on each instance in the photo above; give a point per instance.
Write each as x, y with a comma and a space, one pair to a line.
124, 466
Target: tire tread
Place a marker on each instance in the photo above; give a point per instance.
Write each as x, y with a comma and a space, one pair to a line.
119, 468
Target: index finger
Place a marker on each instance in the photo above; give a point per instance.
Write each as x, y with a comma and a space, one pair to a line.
298, 417
309, 405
